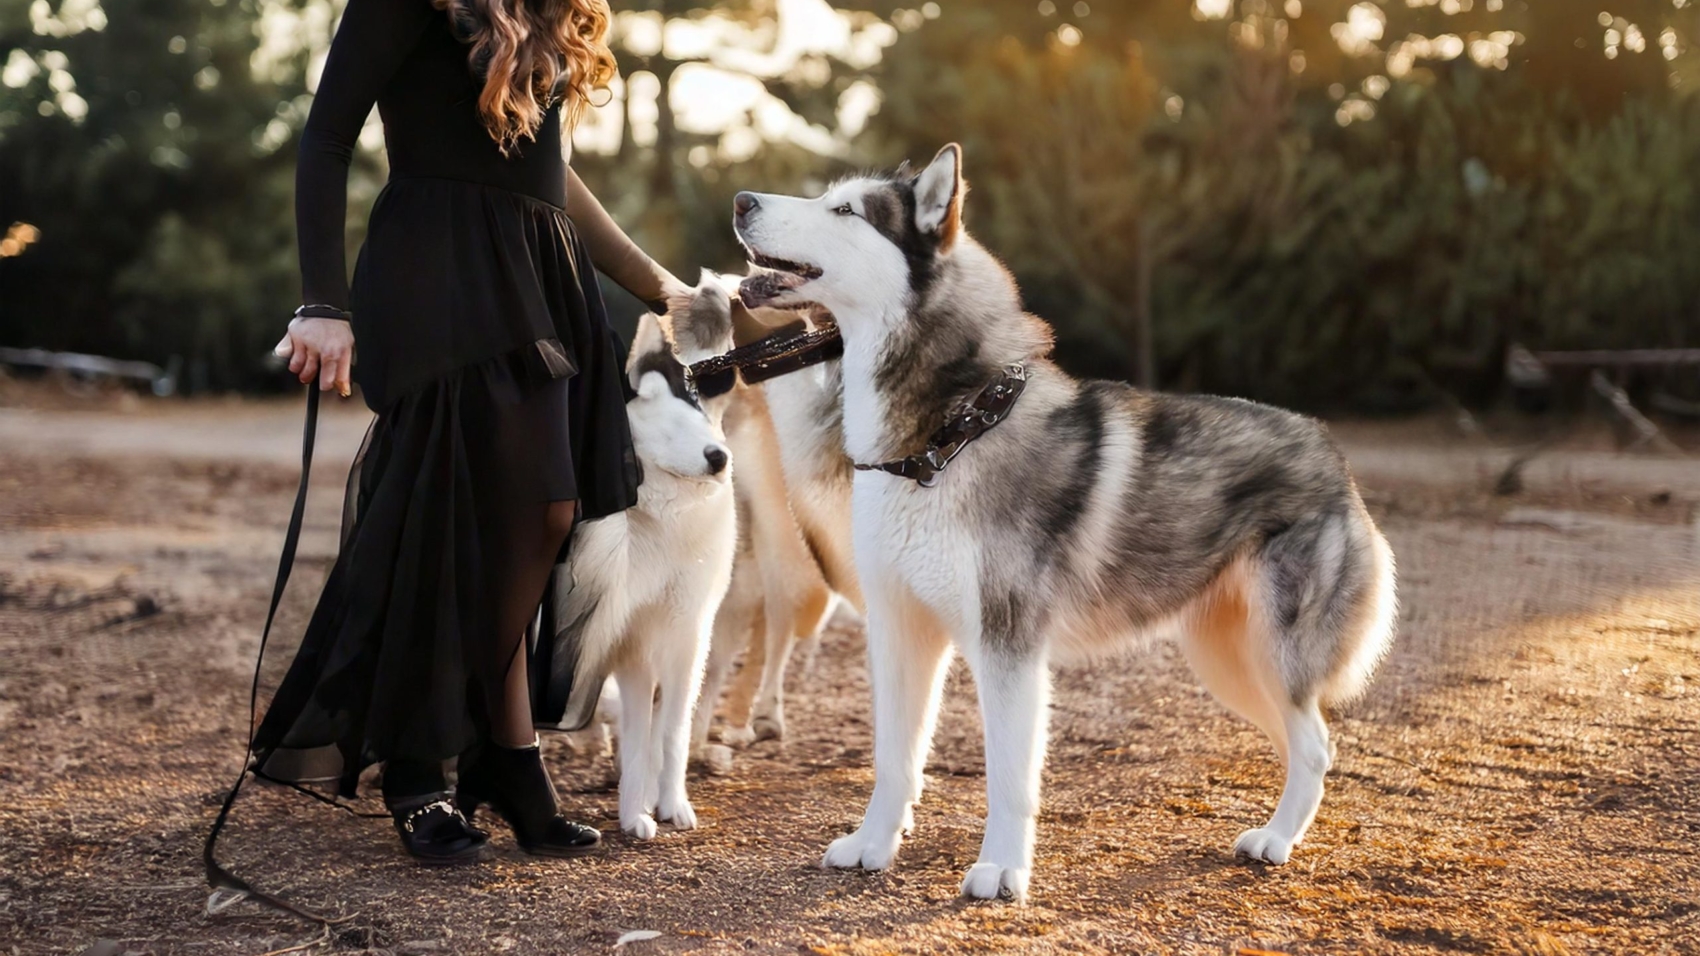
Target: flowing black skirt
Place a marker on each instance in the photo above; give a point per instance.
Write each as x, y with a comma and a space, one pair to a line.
485, 350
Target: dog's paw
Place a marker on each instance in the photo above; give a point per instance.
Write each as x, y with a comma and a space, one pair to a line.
991, 881
716, 759
679, 812
768, 727
641, 827
862, 850
1264, 844
737, 736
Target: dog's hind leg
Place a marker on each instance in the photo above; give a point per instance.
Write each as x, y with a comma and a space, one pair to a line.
1322, 614
680, 669
797, 616
732, 632
1014, 687
637, 749
1217, 641
1308, 761
906, 668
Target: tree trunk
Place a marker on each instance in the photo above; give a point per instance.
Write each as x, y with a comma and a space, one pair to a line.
1145, 371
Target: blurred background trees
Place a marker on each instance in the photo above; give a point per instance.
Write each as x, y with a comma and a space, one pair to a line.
1323, 203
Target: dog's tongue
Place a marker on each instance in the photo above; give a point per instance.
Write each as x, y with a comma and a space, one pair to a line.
763, 286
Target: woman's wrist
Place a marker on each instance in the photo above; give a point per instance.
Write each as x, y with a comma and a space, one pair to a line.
320, 310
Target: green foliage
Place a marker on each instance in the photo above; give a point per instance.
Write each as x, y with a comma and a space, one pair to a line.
1293, 258
1547, 200
165, 223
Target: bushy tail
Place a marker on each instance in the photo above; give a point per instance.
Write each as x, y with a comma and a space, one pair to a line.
1373, 632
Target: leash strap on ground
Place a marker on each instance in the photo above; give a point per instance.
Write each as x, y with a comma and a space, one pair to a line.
219, 878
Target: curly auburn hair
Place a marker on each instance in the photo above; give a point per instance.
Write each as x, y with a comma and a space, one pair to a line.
531, 54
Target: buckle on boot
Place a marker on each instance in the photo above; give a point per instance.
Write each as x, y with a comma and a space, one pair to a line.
447, 807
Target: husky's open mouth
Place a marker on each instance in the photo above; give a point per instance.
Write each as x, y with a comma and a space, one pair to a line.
771, 279
801, 270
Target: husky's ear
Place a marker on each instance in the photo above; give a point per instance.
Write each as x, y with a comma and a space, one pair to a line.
681, 300
938, 197
651, 387
705, 328
648, 341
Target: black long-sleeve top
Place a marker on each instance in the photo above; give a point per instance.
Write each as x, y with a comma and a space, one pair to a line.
403, 56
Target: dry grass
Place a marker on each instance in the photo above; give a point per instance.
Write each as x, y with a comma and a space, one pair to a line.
1520, 780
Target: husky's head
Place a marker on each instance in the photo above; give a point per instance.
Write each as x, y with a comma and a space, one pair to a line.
928, 315
868, 244
670, 430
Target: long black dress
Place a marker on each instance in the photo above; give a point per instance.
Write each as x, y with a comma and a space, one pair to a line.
485, 351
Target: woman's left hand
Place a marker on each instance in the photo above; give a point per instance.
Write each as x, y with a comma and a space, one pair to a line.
674, 292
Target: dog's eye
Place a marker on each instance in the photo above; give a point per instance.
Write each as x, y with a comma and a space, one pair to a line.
845, 210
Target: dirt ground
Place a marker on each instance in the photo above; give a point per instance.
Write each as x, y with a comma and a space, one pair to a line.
1522, 778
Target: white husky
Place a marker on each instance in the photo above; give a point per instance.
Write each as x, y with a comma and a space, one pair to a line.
638, 594
1093, 513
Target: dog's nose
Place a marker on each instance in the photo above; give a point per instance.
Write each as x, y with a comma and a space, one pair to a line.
743, 204
716, 459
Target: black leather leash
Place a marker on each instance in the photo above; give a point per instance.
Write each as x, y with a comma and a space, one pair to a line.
219, 878
969, 421
766, 359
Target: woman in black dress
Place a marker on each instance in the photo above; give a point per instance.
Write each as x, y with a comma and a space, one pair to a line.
486, 354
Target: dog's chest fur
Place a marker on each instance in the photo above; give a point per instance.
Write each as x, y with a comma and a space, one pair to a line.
678, 531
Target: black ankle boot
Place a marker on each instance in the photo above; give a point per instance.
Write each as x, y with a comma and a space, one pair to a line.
515, 784
432, 830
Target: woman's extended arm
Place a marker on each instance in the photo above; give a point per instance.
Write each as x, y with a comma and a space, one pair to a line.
614, 253
371, 42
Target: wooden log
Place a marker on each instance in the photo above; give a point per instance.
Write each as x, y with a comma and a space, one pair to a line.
1620, 358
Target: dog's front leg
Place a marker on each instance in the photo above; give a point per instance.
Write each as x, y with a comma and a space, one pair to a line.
1014, 687
906, 658
637, 749
681, 680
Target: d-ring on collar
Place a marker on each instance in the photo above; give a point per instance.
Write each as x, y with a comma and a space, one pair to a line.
969, 421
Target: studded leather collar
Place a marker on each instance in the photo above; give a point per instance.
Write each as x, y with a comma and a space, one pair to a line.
969, 421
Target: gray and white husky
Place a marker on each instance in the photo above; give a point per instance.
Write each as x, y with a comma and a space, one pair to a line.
641, 587
1094, 514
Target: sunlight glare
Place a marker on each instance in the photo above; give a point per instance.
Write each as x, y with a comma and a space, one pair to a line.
1212, 9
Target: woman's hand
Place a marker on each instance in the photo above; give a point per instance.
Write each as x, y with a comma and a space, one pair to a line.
322, 349
675, 294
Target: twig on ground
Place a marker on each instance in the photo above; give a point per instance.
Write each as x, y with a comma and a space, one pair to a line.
323, 938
